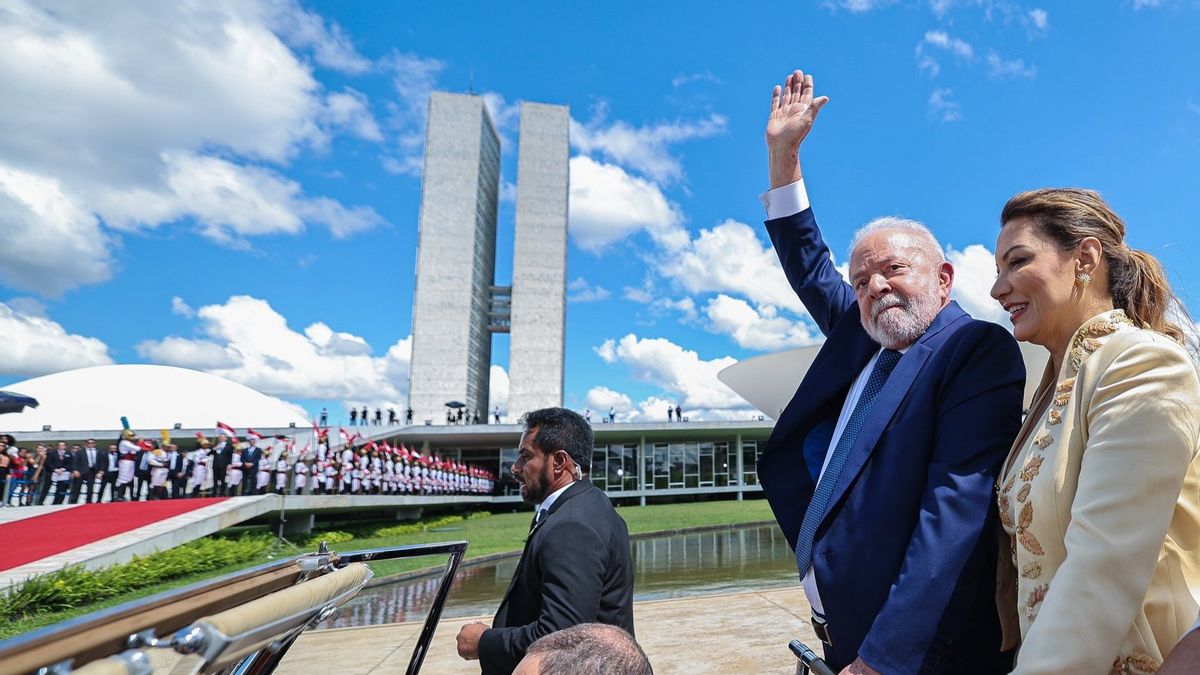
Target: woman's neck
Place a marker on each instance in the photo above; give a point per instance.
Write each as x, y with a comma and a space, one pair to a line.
1086, 310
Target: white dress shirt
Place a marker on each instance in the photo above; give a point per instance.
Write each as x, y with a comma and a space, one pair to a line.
549, 500
781, 202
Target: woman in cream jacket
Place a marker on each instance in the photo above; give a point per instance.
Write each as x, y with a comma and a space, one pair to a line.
1100, 496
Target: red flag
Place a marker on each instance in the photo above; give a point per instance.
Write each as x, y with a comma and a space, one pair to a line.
346, 437
254, 434
146, 445
226, 428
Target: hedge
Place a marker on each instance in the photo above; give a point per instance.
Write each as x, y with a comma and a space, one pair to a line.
75, 586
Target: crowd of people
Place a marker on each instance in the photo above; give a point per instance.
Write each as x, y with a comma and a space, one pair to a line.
135, 469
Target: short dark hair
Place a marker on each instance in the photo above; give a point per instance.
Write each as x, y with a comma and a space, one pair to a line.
562, 429
590, 649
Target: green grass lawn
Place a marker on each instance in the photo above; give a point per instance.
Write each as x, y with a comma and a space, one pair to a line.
494, 534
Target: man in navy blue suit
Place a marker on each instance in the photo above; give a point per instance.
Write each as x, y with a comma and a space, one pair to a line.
880, 470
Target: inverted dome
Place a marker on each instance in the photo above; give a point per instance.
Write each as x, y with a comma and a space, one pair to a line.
152, 397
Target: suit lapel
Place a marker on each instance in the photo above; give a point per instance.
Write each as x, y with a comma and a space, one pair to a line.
894, 391
575, 488
882, 410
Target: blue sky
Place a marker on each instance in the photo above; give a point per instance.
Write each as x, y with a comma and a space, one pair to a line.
234, 186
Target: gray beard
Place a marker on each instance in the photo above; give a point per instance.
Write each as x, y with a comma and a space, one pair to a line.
899, 329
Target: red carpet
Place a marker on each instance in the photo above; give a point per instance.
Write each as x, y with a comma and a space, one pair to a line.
35, 538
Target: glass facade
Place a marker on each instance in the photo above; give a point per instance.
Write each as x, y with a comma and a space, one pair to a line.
634, 465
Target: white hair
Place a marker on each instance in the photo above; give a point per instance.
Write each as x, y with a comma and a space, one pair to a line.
930, 244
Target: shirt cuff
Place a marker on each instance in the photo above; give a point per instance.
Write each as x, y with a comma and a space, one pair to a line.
784, 201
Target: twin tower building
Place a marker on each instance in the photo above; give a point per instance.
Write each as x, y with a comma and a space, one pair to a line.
457, 304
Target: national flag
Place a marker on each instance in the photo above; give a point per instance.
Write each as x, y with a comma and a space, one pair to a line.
254, 434
227, 429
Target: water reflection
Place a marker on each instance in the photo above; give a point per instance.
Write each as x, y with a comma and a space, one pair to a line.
672, 566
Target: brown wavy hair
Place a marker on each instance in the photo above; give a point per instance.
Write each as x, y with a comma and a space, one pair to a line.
1135, 278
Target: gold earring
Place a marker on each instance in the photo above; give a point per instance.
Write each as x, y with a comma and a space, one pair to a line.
1083, 279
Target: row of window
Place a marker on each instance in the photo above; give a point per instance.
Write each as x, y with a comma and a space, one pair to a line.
668, 466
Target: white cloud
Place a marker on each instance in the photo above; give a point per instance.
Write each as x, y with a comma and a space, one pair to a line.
581, 290
413, 78
953, 45
336, 343
681, 80
186, 353
974, 274
645, 149
941, 7
761, 329
730, 258
1039, 20
943, 107
603, 398
1147, 4
497, 390
35, 345
304, 30
51, 244
1000, 68
857, 6
349, 110
231, 202
107, 111
247, 341
181, 308
505, 116
678, 371
607, 205
927, 64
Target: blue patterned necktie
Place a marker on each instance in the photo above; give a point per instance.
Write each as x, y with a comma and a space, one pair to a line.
812, 517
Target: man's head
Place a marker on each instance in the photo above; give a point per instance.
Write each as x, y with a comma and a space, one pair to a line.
901, 279
555, 450
62, 446
112, 448
90, 443
585, 649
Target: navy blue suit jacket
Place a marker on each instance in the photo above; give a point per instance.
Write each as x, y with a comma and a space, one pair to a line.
905, 554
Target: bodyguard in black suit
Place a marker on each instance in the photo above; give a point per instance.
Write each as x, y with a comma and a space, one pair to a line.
178, 470
57, 461
221, 453
108, 473
576, 567
250, 456
88, 461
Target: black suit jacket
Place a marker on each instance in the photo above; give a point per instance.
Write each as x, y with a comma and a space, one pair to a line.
576, 568
54, 462
89, 470
180, 463
221, 458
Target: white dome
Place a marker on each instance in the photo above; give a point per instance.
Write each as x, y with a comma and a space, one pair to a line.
152, 397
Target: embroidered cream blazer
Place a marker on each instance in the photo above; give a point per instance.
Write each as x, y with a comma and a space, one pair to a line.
1100, 502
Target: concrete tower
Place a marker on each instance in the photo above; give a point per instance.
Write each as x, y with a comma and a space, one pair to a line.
456, 258
539, 286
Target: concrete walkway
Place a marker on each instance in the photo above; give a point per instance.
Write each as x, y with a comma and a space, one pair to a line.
737, 633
